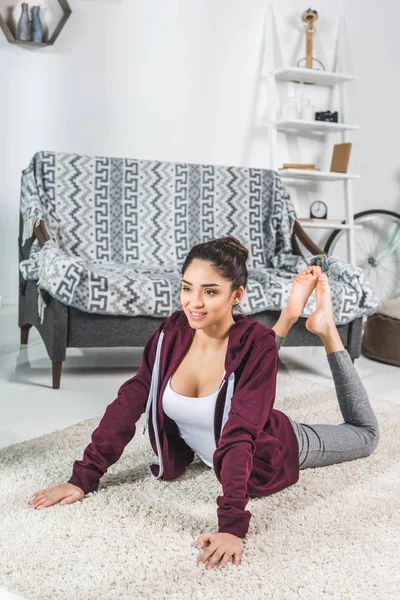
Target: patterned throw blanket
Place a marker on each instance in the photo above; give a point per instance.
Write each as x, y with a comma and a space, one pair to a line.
121, 229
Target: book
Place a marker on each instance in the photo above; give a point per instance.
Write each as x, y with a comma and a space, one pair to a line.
340, 157
298, 166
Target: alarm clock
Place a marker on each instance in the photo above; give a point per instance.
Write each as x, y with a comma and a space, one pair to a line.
318, 210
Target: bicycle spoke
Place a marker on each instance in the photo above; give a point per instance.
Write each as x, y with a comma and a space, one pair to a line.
388, 273
376, 241
369, 245
384, 288
367, 270
362, 246
386, 281
385, 267
375, 236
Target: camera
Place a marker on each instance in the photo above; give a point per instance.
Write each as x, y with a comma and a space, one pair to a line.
327, 116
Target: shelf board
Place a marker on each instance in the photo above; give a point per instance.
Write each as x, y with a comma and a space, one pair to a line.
312, 224
317, 126
21, 43
318, 175
304, 75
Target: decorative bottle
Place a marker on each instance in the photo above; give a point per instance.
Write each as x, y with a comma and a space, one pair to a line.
37, 29
24, 27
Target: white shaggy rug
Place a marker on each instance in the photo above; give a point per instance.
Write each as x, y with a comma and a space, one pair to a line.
334, 534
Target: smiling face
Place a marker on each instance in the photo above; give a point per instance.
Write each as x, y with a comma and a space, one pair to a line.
206, 297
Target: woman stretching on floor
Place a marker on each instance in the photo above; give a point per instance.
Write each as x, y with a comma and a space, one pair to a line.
255, 450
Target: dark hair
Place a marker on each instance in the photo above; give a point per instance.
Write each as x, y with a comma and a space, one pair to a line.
227, 256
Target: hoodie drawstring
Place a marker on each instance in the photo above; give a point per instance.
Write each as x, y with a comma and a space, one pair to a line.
154, 381
152, 403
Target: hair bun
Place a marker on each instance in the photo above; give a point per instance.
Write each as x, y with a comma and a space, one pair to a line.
237, 245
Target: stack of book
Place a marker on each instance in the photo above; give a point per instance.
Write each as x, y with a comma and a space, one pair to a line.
299, 166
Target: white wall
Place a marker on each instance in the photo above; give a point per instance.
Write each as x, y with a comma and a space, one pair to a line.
179, 80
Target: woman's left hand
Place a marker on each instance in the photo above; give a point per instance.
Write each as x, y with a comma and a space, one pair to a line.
223, 546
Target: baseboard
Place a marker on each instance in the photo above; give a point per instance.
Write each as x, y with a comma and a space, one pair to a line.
7, 301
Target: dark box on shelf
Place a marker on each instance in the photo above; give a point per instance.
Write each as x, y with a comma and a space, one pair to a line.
327, 116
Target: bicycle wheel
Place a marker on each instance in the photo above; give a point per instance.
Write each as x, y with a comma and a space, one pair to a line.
381, 268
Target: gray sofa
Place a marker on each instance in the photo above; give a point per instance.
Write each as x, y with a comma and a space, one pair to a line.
102, 241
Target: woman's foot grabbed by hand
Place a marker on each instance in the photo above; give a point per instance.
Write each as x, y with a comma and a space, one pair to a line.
321, 322
64, 494
303, 285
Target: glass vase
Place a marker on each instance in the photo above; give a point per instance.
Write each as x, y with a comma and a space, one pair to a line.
24, 27
37, 28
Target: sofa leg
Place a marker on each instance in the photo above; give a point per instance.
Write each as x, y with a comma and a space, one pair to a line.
24, 335
57, 366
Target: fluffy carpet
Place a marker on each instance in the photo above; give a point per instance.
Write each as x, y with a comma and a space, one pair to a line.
334, 534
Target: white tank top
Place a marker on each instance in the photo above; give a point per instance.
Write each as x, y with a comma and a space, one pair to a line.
194, 418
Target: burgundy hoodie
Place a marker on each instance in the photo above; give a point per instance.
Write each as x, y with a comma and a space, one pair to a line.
256, 447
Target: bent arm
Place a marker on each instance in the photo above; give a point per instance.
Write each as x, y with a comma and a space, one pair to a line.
252, 403
115, 430
118, 424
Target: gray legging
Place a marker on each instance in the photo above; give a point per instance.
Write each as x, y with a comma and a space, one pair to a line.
357, 437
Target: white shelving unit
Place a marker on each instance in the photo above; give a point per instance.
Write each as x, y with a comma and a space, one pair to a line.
322, 129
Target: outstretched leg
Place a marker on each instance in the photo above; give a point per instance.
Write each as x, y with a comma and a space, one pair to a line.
322, 444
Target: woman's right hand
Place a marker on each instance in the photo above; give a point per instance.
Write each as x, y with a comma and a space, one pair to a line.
64, 494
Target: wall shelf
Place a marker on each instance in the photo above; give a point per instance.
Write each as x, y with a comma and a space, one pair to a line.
9, 27
304, 75
297, 125
318, 175
311, 224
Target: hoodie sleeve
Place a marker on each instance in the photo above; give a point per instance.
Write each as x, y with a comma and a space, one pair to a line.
118, 424
251, 406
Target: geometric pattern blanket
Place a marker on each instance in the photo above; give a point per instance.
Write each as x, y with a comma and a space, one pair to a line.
120, 231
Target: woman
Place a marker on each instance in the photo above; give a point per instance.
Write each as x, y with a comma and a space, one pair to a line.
217, 375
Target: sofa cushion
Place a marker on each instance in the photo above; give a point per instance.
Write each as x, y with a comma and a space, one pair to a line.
124, 289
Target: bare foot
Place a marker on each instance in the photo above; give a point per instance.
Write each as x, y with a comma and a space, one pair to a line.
303, 285
321, 321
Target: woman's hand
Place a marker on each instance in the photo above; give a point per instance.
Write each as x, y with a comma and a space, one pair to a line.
64, 494
223, 546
